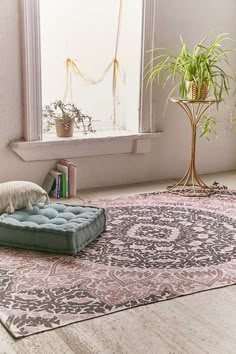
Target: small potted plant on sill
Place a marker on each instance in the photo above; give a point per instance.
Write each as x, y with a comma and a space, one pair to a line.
65, 116
198, 73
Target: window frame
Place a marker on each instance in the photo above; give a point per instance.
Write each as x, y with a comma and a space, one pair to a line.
32, 69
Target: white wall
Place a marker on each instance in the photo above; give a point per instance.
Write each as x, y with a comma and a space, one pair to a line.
169, 154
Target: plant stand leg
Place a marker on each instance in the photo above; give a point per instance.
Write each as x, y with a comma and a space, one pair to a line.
191, 184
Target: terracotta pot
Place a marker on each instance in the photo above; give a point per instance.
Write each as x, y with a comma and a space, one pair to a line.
192, 90
65, 128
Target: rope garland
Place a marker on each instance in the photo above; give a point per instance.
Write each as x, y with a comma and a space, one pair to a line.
72, 67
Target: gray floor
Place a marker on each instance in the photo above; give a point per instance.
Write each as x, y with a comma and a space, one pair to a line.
194, 324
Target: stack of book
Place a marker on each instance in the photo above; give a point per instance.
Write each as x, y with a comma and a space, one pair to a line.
61, 181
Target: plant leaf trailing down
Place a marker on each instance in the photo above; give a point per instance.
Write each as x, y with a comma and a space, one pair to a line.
208, 126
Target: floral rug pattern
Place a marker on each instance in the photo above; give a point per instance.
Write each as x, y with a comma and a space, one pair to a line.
157, 246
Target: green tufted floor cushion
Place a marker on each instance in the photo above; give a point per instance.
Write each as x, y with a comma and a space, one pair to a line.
56, 227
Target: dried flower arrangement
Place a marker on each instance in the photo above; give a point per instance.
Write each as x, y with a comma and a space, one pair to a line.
64, 116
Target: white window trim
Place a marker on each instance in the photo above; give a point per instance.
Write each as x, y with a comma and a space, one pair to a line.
32, 70
76, 147
148, 120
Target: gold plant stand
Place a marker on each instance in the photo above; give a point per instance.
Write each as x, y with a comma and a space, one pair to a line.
191, 185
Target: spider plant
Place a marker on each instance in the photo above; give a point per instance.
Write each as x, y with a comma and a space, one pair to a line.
204, 65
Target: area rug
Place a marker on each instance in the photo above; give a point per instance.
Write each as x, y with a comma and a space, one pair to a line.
157, 246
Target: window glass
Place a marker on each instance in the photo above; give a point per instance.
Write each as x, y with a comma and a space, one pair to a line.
78, 43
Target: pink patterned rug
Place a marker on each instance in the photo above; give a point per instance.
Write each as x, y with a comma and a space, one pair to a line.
157, 246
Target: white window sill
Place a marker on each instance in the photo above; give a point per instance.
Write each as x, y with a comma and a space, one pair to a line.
53, 148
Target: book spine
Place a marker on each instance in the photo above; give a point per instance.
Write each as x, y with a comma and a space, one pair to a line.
54, 187
75, 181
67, 184
53, 192
70, 182
63, 189
48, 183
59, 186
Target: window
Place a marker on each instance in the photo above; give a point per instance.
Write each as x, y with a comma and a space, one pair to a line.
34, 147
33, 94
90, 55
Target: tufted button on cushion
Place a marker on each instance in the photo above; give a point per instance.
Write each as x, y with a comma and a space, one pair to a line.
56, 227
